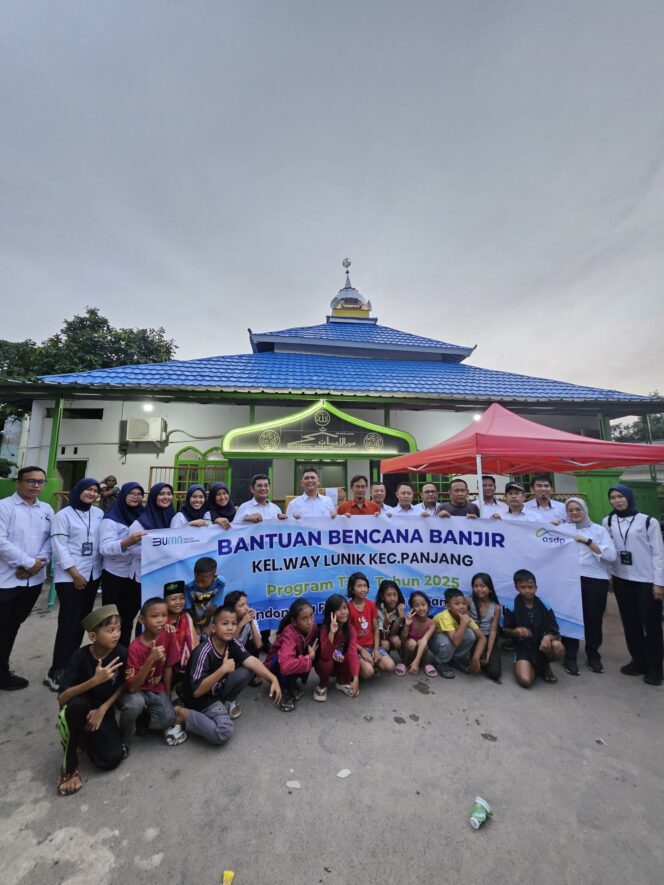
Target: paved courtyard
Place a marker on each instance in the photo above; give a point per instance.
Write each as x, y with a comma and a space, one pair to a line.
574, 772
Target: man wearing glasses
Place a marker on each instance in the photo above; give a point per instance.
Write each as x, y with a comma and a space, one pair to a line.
25, 550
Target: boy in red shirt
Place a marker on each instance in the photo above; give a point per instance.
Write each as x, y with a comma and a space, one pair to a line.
364, 617
149, 677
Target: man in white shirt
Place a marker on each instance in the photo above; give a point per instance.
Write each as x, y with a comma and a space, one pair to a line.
404, 507
311, 502
25, 549
429, 505
490, 504
515, 496
378, 493
259, 508
541, 505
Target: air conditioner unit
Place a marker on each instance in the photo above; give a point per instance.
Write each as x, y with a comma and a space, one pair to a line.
145, 430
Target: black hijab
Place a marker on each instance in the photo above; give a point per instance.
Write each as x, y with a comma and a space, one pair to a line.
121, 511
190, 512
216, 512
75, 493
154, 516
632, 509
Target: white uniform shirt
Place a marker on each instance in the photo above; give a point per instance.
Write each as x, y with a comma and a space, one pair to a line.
522, 516
267, 511
432, 511
414, 510
116, 560
303, 505
487, 510
70, 530
646, 546
591, 564
180, 520
25, 534
546, 514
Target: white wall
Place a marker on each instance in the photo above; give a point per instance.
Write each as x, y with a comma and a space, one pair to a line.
97, 440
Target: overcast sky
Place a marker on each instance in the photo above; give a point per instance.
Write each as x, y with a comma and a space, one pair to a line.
493, 169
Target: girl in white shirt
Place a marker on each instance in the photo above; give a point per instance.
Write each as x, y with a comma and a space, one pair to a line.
596, 553
638, 582
75, 542
116, 542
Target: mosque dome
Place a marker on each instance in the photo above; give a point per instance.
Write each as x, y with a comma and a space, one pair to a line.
348, 298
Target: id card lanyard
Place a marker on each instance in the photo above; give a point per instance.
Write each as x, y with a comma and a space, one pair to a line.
86, 546
624, 537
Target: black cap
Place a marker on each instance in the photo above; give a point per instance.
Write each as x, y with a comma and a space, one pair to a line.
515, 485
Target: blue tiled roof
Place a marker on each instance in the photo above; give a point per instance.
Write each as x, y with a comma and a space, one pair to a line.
314, 374
360, 333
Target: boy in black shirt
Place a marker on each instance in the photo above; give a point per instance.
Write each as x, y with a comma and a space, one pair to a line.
93, 682
218, 670
532, 623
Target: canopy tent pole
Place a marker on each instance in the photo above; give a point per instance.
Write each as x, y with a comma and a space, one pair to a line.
480, 494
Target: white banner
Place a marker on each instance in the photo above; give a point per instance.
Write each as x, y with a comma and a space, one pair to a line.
276, 562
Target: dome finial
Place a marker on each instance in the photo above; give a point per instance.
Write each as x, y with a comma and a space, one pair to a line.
347, 263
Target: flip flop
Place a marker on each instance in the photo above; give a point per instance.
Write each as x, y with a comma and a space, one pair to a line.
287, 705
400, 670
447, 673
64, 779
430, 671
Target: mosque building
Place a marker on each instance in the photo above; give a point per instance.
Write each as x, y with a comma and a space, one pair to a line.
342, 396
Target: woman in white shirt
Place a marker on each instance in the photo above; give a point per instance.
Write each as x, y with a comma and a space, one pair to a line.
158, 514
116, 542
596, 553
638, 582
77, 571
193, 508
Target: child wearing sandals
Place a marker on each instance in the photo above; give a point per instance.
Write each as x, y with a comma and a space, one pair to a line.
531, 622
149, 677
364, 617
484, 609
338, 650
291, 655
457, 639
92, 683
416, 632
391, 609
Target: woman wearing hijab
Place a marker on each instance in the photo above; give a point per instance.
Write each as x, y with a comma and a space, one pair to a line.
158, 514
116, 541
638, 583
77, 560
596, 553
221, 509
193, 509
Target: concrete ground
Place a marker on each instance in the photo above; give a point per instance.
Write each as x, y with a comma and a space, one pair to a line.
574, 773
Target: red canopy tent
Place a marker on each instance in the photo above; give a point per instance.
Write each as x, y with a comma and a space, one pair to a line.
502, 442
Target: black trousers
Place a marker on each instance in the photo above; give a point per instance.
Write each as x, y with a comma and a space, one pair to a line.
288, 683
641, 617
126, 594
494, 667
16, 603
74, 606
104, 747
594, 592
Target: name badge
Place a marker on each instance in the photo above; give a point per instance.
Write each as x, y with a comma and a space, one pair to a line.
626, 557
86, 548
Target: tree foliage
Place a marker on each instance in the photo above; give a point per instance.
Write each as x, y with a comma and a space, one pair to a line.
637, 430
85, 342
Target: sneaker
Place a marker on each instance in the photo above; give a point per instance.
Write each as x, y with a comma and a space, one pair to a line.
234, 709
9, 681
570, 666
53, 679
632, 669
320, 694
595, 664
